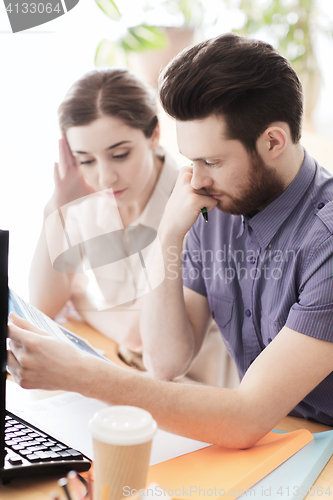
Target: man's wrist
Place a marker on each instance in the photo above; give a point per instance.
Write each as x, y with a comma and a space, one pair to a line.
169, 237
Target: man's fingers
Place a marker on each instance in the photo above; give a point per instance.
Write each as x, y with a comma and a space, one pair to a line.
18, 335
24, 324
13, 366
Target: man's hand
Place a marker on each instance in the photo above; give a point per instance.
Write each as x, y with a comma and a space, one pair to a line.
37, 360
184, 205
69, 181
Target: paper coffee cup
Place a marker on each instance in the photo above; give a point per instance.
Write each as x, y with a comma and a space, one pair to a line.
122, 437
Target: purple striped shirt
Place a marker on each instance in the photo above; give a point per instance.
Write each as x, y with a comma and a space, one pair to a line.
271, 270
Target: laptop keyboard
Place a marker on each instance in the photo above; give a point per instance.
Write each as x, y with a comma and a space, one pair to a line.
26, 445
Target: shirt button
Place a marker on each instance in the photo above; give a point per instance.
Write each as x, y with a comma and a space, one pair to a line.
320, 205
248, 313
252, 260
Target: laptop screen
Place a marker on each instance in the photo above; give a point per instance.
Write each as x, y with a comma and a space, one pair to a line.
4, 235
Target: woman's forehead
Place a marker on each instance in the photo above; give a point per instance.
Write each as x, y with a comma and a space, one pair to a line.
101, 134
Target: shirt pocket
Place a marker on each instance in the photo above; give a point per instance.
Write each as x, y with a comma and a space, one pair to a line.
222, 308
269, 329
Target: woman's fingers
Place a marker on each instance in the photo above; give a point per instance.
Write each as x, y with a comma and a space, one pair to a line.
62, 159
56, 174
70, 160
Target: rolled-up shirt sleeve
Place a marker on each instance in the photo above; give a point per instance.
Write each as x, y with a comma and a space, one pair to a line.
312, 314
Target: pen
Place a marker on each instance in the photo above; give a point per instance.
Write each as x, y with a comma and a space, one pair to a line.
204, 209
90, 493
63, 483
204, 213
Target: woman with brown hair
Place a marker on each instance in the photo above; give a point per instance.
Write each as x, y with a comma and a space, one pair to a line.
112, 183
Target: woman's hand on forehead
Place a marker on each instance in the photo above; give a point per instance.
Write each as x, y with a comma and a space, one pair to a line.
69, 181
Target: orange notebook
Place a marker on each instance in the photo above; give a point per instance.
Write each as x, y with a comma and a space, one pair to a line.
222, 472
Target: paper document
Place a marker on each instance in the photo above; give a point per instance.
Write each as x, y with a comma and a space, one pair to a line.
66, 417
42, 321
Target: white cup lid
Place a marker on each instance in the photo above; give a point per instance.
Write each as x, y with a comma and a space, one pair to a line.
123, 425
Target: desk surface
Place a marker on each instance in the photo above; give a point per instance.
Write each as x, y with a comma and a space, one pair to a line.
39, 488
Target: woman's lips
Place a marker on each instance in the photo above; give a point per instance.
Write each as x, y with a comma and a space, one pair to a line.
119, 192
115, 192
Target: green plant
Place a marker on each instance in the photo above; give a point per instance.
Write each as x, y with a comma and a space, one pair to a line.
144, 36
291, 24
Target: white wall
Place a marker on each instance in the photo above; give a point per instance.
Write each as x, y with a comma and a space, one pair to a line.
37, 67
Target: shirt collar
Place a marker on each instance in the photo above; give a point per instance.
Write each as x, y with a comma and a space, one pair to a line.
267, 222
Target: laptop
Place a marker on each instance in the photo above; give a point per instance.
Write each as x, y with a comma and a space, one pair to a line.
24, 449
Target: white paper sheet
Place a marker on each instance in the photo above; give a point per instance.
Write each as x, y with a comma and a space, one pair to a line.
66, 416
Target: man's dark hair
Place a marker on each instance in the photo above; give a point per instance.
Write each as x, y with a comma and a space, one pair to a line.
246, 81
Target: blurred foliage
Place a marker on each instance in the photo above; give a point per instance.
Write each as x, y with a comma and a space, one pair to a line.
143, 36
190, 11
292, 24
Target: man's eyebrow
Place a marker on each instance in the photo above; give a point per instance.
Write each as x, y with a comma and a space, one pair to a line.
191, 159
203, 158
110, 147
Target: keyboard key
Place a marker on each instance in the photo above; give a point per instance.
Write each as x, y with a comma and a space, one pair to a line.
50, 442
15, 460
33, 457
56, 448
25, 452
24, 443
64, 454
17, 447
10, 442
36, 448
10, 435
33, 434
74, 453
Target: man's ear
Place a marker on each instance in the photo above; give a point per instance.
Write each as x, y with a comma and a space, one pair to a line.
155, 137
272, 142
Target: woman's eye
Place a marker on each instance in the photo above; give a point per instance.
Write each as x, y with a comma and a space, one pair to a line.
119, 157
87, 162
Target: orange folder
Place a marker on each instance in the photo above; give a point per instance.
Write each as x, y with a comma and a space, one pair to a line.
222, 472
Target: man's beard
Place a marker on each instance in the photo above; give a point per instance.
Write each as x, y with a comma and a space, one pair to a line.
264, 187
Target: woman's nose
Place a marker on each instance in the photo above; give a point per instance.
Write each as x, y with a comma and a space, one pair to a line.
107, 175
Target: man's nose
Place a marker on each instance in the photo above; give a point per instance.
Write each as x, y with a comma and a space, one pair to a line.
200, 178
